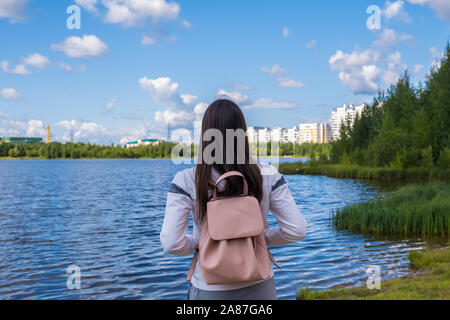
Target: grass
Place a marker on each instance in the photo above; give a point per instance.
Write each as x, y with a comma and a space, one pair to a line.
369, 173
413, 210
430, 281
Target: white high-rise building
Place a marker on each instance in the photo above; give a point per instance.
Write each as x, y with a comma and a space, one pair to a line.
293, 135
342, 115
279, 135
315, 133
304, 133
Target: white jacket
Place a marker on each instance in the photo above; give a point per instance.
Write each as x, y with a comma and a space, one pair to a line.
181, 203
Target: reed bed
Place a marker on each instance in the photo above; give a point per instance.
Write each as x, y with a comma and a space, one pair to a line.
413, 210
368, 173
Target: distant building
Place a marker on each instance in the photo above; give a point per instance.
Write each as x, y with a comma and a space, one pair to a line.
20, 140
143, 143
304, 133
342, 115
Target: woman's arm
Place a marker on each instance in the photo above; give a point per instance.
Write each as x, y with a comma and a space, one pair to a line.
174, 237
292, 225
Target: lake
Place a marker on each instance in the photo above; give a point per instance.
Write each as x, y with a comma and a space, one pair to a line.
104, 216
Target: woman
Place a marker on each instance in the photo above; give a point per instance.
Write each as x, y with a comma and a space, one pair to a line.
192, 188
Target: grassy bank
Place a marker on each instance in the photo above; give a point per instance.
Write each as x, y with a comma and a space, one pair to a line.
413, 210
430, 280
369, 173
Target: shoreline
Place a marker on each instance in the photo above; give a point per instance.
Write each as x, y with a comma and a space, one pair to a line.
427, 279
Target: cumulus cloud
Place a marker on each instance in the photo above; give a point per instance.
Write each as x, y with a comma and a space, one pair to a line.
200, 109
30, 128
10, 93
265, 103
36, 60
173, 118
388, 38
19, 69
286, 32
395, 66
133, 12
14, 10
87, 46
162, 90
395, 9
357, 70
235, 96
188, 99
441, 7
87, 4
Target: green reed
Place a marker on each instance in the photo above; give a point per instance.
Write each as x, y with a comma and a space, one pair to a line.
413, 210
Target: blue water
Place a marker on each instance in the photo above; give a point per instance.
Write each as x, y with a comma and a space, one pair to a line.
105, 217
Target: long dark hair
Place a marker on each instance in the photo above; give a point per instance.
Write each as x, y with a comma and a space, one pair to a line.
221, 115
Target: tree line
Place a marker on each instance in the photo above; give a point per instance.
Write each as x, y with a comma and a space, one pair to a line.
406, 126
57, 150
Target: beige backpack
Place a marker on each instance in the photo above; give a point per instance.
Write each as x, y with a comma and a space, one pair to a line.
232, 247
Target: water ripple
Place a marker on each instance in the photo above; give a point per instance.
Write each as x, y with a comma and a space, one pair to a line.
105, 216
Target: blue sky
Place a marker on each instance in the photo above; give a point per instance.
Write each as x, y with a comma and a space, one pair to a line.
137, 65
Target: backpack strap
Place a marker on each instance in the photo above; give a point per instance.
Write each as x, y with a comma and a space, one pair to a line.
231, 174
193, 264
273, 259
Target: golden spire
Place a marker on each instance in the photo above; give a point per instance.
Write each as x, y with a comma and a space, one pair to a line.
48, 140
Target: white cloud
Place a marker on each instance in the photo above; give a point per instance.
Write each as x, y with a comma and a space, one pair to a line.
20, 69
162, 90
30, 128
282, 77
235, 96
188, 99
10, 93
437, 56
418, 68
395, 9
389, 38
86, 47
289, 83
36, 60
110, 105
395, 67
275, 70
265, 103
286, 32
357, 70
14, 10
87, 4
441, 7
186, 24
200, 108
148, 40
132, 12
311, 44
174, 118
